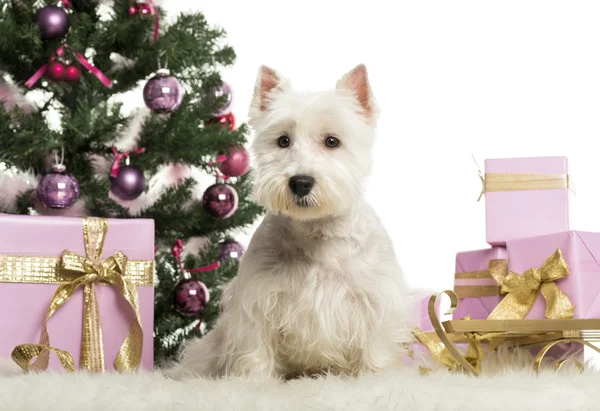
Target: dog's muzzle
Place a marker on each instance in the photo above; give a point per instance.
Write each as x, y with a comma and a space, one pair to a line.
301, 185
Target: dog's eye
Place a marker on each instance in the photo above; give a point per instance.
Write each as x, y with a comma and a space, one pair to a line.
332, 142
283, 141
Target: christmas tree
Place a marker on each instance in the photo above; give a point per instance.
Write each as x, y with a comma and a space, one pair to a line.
69, 145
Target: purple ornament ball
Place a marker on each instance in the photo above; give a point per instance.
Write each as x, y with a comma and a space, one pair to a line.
237, 163
53, 22
191, 296
220, 201
58, 189
223, 92
129, 183
231, 249
163, 93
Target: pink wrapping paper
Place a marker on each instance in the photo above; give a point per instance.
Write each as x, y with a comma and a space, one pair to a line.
527, 213
581, 251
23, 306
477, 308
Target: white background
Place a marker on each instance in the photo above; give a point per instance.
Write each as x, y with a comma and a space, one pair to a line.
493, 79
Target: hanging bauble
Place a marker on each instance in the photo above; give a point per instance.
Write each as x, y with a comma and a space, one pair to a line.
163, 93
56, 71
141, 8
129, 183
223, 92
72, 73
226, 121
53, 22
220, 200
190, 297
237, 162
231, 249
58, 189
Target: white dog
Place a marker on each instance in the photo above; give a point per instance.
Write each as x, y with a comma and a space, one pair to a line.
319, 288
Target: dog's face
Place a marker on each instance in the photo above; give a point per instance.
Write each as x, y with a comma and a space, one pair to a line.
313, 150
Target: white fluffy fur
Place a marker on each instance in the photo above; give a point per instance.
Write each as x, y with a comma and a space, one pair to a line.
514, 389
319, 288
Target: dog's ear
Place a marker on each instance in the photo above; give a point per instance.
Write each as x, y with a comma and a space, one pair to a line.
357, 81
267, 82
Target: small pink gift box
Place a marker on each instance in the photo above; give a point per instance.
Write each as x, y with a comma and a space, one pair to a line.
477, 290
581, 253
526, 197
30, 252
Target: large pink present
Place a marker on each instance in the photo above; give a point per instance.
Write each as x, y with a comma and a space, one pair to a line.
477, 290
552, 276
57, 261
526, 197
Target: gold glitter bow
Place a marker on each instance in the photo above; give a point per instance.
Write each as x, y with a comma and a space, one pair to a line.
89, 270
523, 290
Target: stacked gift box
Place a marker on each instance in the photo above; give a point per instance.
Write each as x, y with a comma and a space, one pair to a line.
537, 266
528, 205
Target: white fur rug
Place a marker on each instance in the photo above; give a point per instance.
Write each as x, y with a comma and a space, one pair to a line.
401, 390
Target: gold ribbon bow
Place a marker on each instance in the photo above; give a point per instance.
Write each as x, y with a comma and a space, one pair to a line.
523, 290
89, 270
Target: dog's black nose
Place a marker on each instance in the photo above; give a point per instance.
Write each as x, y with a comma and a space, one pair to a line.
301, 185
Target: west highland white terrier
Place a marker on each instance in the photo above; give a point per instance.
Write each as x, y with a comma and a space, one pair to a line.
319, 289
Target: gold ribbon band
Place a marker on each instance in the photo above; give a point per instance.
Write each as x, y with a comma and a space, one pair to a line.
472, 275
46, 270
476, 291
494, 182
497, 269
86, 272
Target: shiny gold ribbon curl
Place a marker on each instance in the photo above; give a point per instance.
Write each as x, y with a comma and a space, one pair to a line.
523, 290
88, 271
444, 351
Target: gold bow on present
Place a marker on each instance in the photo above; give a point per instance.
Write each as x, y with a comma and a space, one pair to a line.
523, 290
87, 271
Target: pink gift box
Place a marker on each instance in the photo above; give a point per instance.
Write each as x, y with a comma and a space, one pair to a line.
475, 264
515, 212
23, 306
581, 251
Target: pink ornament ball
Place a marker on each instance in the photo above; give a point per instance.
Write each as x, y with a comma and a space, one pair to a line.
163, 94
231, 249
191, 297
223, 92
58, 189
129, 183
53, 22
237, 163
56, 71
220, 201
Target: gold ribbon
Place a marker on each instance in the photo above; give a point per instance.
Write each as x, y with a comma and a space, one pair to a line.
88, 271
494, 182
441, 354
446, 353
523, 290
496, 270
